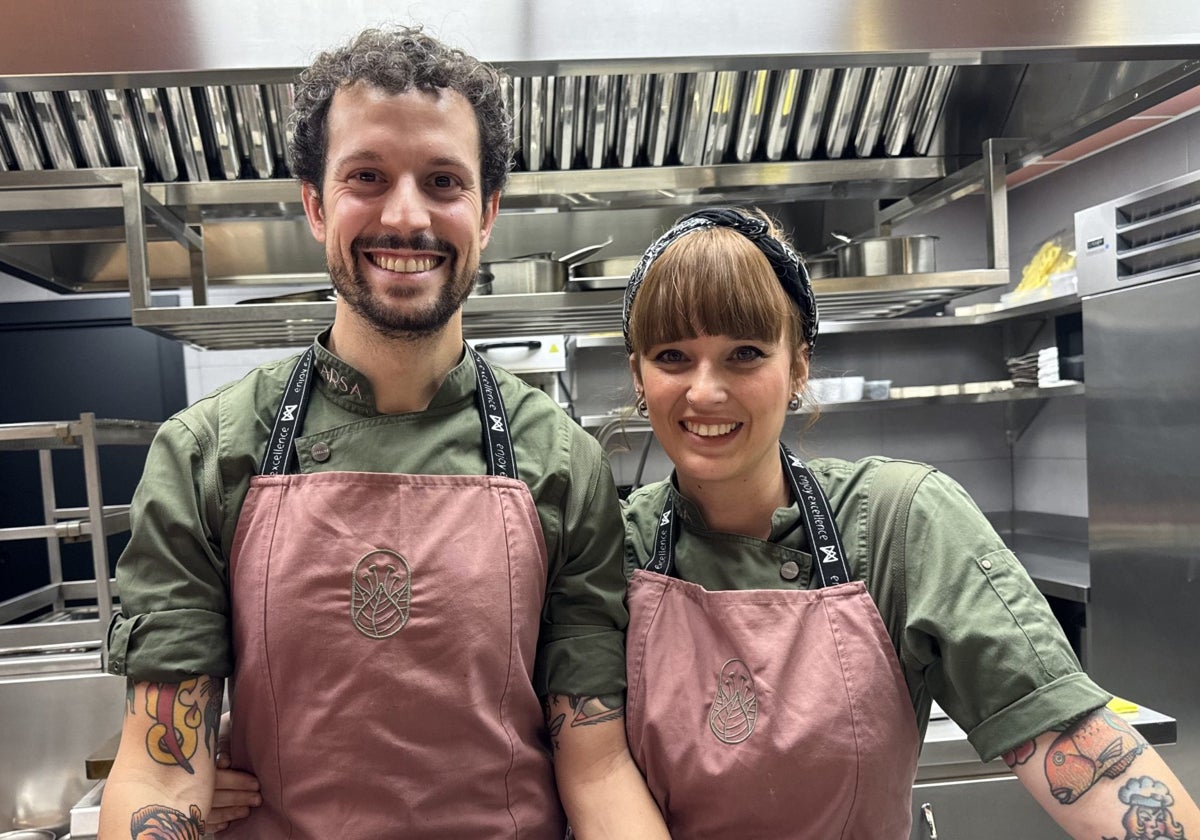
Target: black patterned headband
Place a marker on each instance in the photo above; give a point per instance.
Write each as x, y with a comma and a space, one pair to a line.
788, 266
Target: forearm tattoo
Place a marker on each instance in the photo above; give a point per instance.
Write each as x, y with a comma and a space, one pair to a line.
1148, 815
585, 711
178, 711
1102, 745
158, 822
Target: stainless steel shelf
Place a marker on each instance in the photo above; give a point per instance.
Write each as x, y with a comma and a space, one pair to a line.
115, 520
1049, 307
70, 434
574, 312
606, 426
20, 634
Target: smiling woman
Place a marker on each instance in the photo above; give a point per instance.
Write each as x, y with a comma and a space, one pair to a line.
721, 352
794, 621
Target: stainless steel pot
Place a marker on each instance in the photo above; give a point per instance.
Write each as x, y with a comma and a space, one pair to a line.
533, 272
610, 273
521, 276
821, 265
876, 255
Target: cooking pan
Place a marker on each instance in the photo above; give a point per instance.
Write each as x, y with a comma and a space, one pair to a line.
610, 273
876, 255
532, 273
821, 265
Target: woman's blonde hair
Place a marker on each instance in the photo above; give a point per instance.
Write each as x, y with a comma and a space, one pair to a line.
713, 281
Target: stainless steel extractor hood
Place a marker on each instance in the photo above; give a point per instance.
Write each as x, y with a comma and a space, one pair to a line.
619, 105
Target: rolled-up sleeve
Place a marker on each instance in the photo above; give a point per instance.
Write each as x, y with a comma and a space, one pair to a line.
992, 652
174, 617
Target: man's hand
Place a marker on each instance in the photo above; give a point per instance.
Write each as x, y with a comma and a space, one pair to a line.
236, 791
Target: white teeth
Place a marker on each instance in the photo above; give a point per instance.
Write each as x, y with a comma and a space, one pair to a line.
407, 266
706, 430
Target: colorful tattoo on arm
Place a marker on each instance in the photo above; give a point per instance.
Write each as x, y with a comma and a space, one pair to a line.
585, 711
596, 709
1100, 745
1149, 816
158, 822
177, 711
1019, 755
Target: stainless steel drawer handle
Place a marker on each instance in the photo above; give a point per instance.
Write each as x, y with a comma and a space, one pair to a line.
930, 825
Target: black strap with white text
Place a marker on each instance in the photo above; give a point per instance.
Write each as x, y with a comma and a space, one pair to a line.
497, 443
289, 418
829, 558
280, 458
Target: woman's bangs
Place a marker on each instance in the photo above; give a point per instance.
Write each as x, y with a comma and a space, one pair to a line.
718, 283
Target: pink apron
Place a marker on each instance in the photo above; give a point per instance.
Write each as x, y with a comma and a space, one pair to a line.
385, 628
769, 713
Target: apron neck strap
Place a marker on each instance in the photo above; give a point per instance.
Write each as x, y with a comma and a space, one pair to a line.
829, 558
289, 418
280, 458
497, 442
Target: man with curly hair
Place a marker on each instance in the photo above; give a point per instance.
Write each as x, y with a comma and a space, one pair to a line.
407, 564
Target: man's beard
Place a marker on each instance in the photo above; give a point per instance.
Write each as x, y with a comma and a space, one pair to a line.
389, 316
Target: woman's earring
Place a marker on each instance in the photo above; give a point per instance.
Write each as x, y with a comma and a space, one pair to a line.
641, 406
794, 402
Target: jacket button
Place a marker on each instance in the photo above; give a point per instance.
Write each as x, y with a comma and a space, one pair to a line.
789, 570
320, 452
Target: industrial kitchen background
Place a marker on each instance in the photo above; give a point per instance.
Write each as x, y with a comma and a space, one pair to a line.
145, 181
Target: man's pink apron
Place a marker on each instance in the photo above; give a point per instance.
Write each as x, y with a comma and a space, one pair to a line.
385, 628
769, 713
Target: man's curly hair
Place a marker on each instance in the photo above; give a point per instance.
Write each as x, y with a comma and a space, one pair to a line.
397, 60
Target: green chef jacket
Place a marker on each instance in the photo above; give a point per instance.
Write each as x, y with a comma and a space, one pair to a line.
969, 627
173, 576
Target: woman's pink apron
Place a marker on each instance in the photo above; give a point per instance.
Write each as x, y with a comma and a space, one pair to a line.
769, 713
385, 628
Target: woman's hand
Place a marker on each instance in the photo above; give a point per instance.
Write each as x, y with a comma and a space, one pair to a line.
236, 791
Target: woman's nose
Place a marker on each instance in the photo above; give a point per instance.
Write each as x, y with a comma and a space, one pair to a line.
707, 387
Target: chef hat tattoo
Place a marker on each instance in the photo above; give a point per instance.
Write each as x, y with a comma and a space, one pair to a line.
786, 263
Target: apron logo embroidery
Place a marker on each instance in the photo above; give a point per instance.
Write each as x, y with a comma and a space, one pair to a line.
380, 593
497, 423
830, 553
735, 709
289, 413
